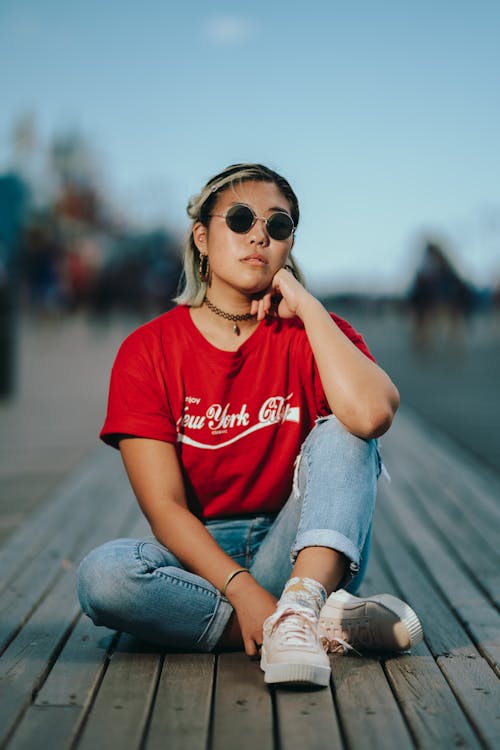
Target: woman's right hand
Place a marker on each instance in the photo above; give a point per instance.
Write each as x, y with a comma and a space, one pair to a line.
252, 604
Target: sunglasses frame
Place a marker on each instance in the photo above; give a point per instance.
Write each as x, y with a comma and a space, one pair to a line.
255, 219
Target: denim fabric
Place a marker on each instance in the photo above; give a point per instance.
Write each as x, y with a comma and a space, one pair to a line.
138, 586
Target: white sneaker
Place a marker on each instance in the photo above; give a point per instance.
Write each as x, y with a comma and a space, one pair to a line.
292, 652
377, 623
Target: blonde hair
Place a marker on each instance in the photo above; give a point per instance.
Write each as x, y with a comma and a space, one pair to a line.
192, 288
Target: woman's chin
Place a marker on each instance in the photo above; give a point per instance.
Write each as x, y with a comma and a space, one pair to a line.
254, 289
251, 285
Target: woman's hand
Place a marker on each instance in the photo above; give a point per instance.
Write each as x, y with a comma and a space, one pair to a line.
252, 604
284, 298
359, 393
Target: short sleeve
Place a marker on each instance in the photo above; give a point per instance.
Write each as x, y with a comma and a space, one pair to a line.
137, 401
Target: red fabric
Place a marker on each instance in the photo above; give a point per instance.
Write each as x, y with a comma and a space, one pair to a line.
238, 418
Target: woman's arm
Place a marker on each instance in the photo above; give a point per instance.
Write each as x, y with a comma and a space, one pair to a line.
156, 478
358, 391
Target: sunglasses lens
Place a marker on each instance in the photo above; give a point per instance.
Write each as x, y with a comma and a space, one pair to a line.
280, 226
239, 219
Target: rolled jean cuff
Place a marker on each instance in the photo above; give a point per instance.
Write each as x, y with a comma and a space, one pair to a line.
208, 641
327, 538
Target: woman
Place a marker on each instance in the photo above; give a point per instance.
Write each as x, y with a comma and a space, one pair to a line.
247, 420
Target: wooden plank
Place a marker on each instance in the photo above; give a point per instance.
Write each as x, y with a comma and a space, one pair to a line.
181, 714
78, 669
306, 719
121, 708
449, 522
478, 691
48, 726
79, 666
461, 505
433, 715
430, 708
452, 511
444, 634
68, 690
449, 465
21, 597
115, 512
41, 527
452, 473
243, 716
27, 660
368, 712
472, 607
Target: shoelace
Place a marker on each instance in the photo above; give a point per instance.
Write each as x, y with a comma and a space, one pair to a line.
295, 629
359, 632
337, 645
300, 629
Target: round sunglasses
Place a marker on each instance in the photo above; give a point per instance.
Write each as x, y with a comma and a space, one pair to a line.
240, 219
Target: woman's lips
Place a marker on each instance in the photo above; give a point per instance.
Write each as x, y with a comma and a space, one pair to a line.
255, 260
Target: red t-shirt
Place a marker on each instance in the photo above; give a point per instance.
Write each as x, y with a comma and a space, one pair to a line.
238, 418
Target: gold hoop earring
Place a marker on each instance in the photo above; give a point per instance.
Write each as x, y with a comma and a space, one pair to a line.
204, 268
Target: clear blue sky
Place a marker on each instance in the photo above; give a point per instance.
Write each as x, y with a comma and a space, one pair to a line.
384, 115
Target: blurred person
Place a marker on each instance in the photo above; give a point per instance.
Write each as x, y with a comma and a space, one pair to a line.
439, 300
162, 271
43, 265
247, 418
83, 262
78, 280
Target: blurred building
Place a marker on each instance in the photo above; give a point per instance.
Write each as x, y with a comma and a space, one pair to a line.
73, 253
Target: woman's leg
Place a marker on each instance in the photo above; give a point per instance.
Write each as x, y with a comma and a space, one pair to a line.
326, 525
139, 587
324, 529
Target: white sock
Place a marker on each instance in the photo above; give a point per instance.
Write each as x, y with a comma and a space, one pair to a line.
303, 594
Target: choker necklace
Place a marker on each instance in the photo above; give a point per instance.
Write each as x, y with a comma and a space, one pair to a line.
228, 316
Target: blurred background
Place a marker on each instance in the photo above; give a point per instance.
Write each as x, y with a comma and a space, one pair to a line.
384, 117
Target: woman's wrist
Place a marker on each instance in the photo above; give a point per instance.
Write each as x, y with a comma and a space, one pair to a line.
240, 586
309, 306
232, 575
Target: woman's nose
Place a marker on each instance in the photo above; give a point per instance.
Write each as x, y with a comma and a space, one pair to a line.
258, 232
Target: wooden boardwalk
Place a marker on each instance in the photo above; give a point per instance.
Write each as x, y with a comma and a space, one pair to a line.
67, 684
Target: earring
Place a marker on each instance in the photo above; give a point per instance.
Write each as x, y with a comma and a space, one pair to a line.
204, 268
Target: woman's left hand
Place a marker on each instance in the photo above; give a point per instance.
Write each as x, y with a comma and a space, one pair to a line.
284, 297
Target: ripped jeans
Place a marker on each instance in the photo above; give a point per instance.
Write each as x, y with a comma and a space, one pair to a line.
139, 587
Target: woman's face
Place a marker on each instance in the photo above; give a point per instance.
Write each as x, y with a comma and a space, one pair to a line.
244, 262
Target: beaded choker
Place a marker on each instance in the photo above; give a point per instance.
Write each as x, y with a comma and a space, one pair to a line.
228, 316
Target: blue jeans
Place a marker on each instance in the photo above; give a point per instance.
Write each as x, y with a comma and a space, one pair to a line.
138, 586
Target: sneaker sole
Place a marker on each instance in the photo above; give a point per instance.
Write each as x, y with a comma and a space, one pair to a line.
295, 674
342, 604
